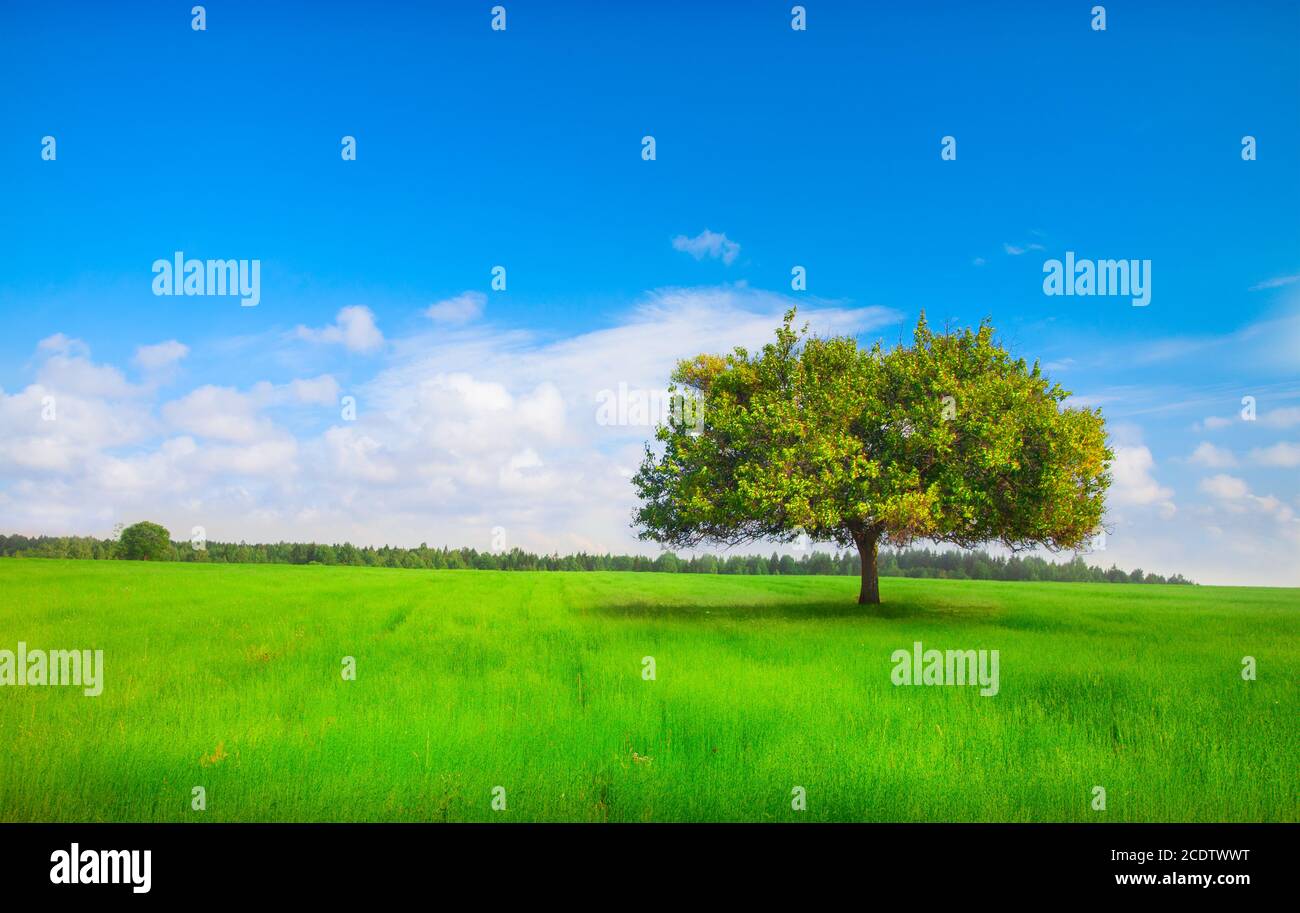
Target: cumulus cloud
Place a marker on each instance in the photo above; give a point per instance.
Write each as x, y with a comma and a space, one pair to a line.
359, 457
454, 434
65, 367
60, 344
711, 244
1206, 454
1225, 487
354, 328
46, 431
320, 391
462, 308
1234, 495
219, 413
228, 414
273, 455
1284, 453
160, 355
74, 410
1134, 483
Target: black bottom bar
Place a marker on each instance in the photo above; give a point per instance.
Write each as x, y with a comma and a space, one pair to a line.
332, 861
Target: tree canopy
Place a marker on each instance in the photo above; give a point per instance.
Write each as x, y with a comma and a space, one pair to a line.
145, 541
948, 439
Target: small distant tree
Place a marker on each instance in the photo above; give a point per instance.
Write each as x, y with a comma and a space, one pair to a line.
949, 439
144, 541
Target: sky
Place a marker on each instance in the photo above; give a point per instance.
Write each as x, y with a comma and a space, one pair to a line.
383, 391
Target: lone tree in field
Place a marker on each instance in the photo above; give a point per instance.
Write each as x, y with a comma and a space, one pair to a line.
949, 440
144, 542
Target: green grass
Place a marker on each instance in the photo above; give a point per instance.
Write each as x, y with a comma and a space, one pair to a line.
228, 677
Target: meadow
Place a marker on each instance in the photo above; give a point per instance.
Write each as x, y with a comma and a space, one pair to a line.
229, 677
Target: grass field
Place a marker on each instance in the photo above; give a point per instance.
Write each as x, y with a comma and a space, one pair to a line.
228, 677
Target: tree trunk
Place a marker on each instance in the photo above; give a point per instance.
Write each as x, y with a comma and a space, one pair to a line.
867, 542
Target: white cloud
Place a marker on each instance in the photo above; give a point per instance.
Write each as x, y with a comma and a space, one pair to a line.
1272, 344
462, 308
711, 244
1286, 417
59, 344
73, 411
78, 427
1283, 417
354, 328
1016, 250
160, 355
227, 414
219, 413
1283, 453
65, 367
1234, 495
273, 455
1216, 422
1133, 482
1276, 282
358, 456
1225, 487
456, 433
521, 473
1206, 454
319, 391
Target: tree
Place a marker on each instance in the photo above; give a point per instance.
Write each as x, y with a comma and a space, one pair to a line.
948, 439
667, 563
145, 541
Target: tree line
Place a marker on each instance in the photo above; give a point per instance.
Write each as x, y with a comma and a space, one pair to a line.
909, 562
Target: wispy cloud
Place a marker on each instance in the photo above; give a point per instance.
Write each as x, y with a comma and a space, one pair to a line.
1016, 250
1276, 282
711, 244
1266, 417
462, 308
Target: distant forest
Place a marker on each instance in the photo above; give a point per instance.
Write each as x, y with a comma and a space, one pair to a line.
912, 562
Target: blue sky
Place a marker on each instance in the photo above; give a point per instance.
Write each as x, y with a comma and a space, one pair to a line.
523, 148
